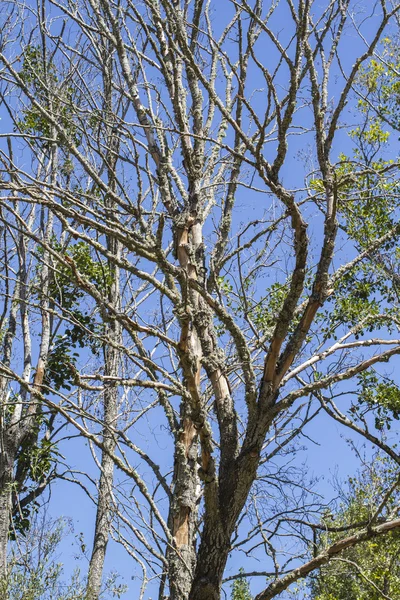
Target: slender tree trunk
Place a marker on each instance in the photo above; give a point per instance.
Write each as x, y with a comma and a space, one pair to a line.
7, 451
110, 402
7, 457
111, 363
104, 500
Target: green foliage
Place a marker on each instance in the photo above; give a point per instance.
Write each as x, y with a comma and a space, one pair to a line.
355, 299
368, 208
264, 314
64, 289
371, 569
368, 203
37, 458
379, 395
21, 520
42, 81
34, 461
241, 588
61, 364
380, 85
34, 74
40, 577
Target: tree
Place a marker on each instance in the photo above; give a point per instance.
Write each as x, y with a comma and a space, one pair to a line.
168, 312
36, 573
241, 588
370, 570
111, 352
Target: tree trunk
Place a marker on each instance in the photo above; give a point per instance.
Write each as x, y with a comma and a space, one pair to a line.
183, 510
7, 456
211, 561
182, 518
220, 521
104, 500
111, 357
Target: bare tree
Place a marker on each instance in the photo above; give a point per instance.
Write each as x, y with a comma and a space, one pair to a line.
172, 127
111, 352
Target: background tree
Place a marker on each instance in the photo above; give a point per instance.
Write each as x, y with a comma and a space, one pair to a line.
370, 570
36, 573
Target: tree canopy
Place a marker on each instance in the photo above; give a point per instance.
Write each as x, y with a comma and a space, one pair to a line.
199, 232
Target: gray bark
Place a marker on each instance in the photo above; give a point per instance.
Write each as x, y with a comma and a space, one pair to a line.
104, 500
111, 367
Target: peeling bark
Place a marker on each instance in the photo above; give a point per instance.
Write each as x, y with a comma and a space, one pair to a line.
183, 510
